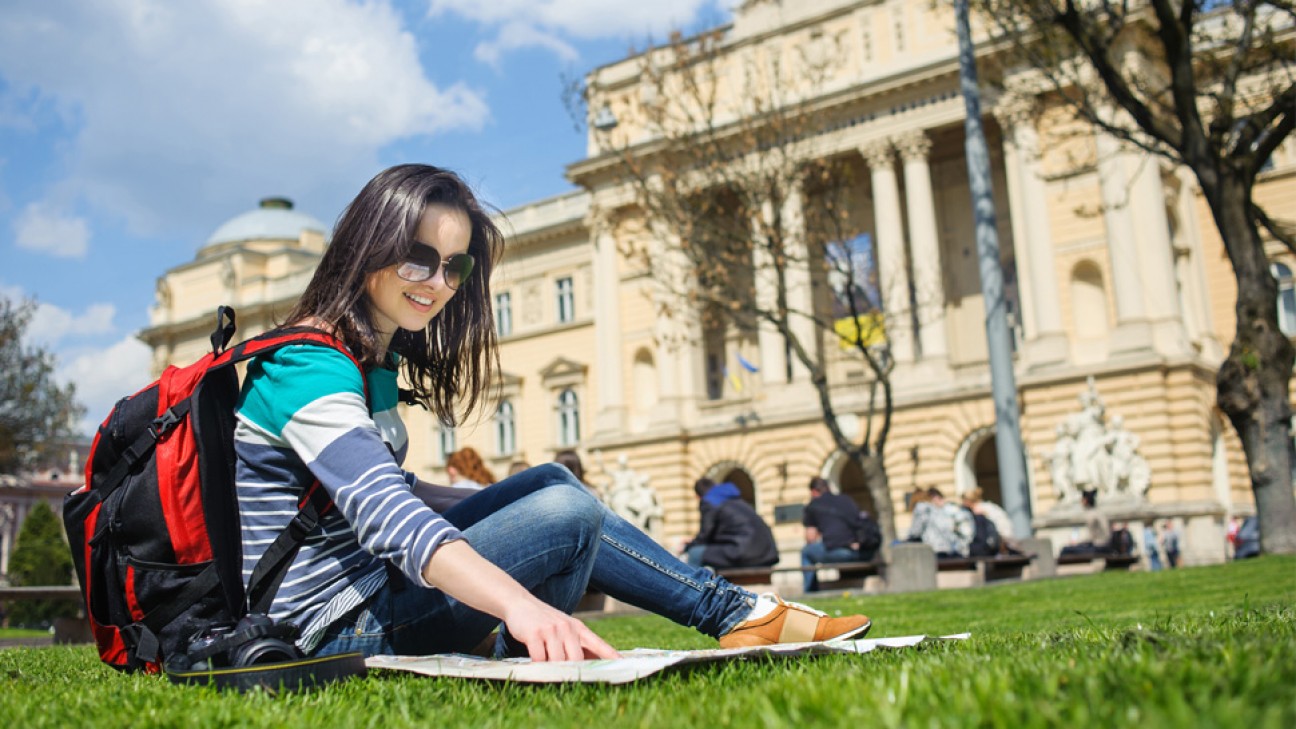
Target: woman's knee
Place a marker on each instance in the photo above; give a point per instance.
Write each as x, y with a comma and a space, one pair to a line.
566, 508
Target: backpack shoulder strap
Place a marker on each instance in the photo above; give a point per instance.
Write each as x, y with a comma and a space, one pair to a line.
277, 339
273, 566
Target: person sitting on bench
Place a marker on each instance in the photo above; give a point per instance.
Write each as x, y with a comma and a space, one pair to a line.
732, 533
945, 527
833, 526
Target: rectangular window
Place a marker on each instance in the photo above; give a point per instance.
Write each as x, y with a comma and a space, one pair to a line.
566, 300
505, 429
503, 314
446, 443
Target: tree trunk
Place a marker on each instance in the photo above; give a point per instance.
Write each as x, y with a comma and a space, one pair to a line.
879, 486
1252, 384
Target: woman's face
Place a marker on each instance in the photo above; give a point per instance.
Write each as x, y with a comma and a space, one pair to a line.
399, 304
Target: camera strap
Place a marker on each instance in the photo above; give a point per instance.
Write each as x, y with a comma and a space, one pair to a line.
296, 675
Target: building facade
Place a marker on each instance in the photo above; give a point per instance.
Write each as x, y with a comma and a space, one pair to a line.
1121, 292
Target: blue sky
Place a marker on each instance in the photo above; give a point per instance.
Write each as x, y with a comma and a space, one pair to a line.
131, 129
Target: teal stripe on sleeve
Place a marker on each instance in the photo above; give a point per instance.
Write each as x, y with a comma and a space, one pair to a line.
281, 383
383, 392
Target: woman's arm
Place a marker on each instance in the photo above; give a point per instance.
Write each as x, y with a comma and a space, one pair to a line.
548, 633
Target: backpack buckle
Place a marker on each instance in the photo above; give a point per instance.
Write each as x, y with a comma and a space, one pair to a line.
163, 423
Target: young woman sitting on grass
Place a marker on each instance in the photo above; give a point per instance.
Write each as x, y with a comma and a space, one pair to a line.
405, 285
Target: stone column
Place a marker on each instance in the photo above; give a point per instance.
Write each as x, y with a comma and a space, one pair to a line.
679, 357
924, 243
1147, 202
773, 349
1132, 332
1191, 273
797, 276
607, 322
1046, 340
893, 277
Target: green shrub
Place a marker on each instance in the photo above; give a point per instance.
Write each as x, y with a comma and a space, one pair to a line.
40, 558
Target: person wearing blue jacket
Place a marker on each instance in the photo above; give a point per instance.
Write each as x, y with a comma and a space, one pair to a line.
732, 534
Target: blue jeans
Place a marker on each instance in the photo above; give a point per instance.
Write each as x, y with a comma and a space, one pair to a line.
545, 540
503, 523
817, 553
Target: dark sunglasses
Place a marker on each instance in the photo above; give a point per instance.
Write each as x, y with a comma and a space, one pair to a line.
424, 260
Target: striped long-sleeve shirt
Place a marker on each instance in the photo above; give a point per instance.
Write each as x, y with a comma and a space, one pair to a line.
302, 416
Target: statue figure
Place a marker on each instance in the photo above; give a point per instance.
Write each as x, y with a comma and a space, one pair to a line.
1091, 454
1090, 461
1131, 473
1059, 464
629, 495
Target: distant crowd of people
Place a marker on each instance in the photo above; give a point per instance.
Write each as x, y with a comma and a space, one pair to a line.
733, 535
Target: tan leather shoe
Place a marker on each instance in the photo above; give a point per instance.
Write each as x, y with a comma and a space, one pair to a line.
793, 622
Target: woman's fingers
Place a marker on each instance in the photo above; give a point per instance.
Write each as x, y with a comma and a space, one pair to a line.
567, 639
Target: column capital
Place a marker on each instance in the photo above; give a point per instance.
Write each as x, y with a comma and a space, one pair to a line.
913, 144
1014, 109
598, 220
878, 153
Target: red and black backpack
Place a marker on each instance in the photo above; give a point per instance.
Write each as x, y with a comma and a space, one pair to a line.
154, 531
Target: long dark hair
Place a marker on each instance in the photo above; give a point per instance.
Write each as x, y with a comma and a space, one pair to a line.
450, 364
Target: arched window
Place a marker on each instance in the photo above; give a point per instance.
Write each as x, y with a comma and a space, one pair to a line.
1286, 298
505, 429
1088, 302
645, 381
568, 418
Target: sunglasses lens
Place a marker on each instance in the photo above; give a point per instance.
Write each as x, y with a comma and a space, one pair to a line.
413, 272
458, 268
422, 263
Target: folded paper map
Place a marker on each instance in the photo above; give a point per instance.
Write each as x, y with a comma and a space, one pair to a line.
631, 666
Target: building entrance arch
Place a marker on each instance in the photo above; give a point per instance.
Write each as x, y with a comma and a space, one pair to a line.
735, 473
976, 465
846, 476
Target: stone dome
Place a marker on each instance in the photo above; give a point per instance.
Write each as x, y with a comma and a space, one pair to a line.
273, 219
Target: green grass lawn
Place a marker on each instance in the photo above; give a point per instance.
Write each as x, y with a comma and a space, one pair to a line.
22, 633
1210, 646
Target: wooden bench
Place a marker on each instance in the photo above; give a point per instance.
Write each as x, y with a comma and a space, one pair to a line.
1095, 562
66, 630
983, 569
849, 574
748, 575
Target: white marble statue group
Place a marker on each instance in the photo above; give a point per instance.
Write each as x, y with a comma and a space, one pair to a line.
629, 495
1092, 454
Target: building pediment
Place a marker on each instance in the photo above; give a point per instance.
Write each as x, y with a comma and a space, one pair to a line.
562, 371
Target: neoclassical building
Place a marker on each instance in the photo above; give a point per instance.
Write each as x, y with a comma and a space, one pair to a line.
1121, 294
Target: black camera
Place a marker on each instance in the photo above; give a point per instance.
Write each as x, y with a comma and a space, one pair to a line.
254, 640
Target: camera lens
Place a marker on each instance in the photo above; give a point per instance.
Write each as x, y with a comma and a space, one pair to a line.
263, 650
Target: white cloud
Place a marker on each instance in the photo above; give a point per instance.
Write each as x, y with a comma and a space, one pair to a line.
51, 324
43, 229
182, 109
582, 18
104, 376
516, 36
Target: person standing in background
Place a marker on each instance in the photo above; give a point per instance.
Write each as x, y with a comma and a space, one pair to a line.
1150, 546
1170, 544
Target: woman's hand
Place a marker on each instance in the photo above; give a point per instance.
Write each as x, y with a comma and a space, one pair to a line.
548, 633
551, 635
